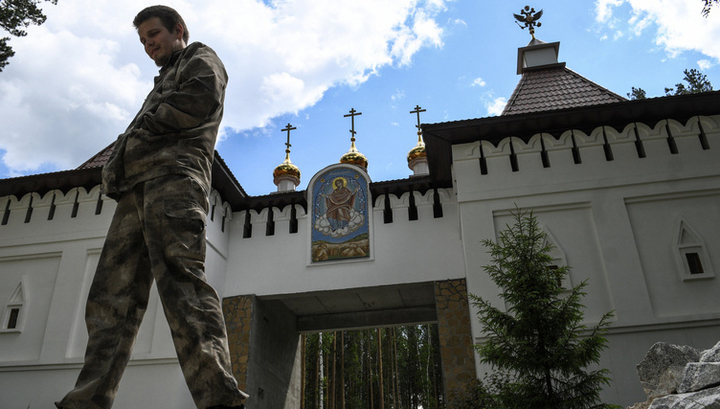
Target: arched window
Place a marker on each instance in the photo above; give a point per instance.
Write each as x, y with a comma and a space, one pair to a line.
13, 314
692, 257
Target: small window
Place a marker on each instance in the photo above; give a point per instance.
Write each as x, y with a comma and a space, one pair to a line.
558, 258
693, 259
13, 313
694, 263
13, 319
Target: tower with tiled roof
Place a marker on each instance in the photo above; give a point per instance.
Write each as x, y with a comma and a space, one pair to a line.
547, 84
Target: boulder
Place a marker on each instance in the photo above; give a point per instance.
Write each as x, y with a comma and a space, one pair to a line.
699, 375
711, 355
661, 370
705, 399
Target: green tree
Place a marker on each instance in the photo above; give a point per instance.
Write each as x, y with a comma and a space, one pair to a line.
697, 82
539, 341
15, 17
637, 93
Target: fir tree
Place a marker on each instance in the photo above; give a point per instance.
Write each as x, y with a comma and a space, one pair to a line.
539, 341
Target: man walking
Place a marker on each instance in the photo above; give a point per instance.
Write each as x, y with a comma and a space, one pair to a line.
159, 172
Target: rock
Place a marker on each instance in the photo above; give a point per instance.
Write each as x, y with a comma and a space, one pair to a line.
699, 375
661, 370
706, 399
711, 355
641, 405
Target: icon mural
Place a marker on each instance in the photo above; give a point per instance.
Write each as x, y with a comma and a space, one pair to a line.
340, 215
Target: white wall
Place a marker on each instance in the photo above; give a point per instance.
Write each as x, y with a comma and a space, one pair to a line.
617, 223
404, 251
55, 261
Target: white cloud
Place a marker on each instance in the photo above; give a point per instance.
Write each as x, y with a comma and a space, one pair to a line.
53, 107
495, 106
604, 9
478, 82
705, 64
77, 80
678, 24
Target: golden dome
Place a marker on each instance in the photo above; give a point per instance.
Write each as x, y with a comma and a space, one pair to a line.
286, 169
354, 157
417, 152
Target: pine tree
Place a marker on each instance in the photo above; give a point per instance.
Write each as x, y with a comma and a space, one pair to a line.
15, 16
697, 82
539, 341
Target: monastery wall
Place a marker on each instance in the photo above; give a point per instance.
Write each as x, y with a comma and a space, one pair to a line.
49, 249
404, 250
624, 209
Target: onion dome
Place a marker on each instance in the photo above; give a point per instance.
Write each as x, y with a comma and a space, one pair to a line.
286, 176
417, 158
354, 157
417, 152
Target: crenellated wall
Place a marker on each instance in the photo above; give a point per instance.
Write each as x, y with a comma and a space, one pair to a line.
574, 159
408, 233
49, 248
624, 206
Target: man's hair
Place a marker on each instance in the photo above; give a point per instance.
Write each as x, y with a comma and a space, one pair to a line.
168, 16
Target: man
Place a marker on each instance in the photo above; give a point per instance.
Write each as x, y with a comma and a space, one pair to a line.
159, 172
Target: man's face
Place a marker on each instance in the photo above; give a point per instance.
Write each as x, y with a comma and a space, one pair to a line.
158, 41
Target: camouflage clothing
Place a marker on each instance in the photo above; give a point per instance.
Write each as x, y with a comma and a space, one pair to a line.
176, 128
160, 173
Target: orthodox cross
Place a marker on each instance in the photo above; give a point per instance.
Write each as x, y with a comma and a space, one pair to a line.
529, 18
288, 128
417, 111
352, 116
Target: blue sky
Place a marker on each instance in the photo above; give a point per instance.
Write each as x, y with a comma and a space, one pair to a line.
76, 81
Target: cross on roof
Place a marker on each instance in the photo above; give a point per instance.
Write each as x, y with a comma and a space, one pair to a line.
288, 128
352, 116
417, 111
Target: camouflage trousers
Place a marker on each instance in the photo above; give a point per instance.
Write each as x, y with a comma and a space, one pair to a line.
157, 233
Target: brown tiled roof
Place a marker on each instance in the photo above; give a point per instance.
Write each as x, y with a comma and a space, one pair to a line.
554, 88
99, 159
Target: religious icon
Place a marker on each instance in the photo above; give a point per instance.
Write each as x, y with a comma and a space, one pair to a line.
340, 225
339, 205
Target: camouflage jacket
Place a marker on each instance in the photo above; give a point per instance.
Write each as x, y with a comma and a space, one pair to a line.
176, 128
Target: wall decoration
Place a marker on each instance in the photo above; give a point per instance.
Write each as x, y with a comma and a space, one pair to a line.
340, 226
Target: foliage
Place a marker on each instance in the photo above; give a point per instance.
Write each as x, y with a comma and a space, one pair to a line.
697, 82
637, 93
375, 368
480, 394
540, 340
15, 16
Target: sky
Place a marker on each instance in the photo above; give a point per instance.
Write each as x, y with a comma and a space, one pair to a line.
77, 80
